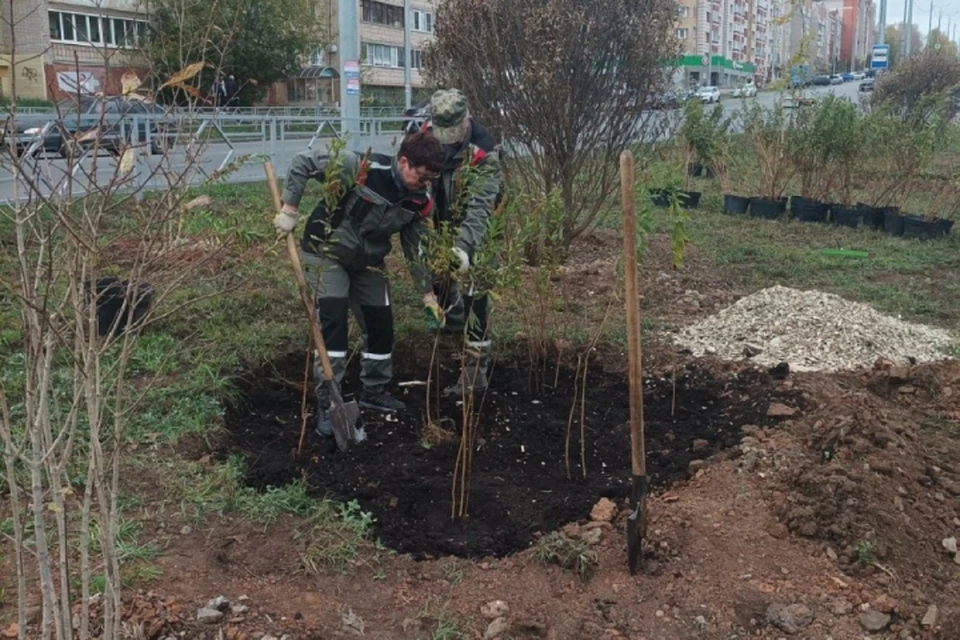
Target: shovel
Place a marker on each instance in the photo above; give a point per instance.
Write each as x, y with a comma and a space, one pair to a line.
343, 415
637, 521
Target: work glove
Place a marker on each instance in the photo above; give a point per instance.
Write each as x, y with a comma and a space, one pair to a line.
433, 312
285, 221
461, 261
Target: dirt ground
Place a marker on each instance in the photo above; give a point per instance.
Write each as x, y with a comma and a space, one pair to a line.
800, 505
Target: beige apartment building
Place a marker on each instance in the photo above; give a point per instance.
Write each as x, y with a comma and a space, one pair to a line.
381, 27
57, 47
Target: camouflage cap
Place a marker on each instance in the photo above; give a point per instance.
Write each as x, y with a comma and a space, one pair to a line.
448, 110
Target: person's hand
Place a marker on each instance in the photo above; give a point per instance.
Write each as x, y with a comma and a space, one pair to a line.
461, 261
433, 312
286, 220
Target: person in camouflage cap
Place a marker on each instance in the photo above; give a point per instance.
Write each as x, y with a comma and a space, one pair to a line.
467, 144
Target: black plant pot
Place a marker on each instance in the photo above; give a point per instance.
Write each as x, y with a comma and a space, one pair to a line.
686, 199
735, 205
945, 225
694, 170
921, 229
893, 222
800, 200
809, 210
766, 208
844, 216
871, 217
112, 314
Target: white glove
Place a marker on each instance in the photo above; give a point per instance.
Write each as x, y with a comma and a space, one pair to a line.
463, 258
286, 220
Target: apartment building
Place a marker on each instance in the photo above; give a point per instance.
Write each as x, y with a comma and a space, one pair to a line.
858, 18
59, 47
717, 40
381, 28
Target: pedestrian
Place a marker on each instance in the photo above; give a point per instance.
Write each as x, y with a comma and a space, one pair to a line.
220, 91
343, 252
232, 90
466, 143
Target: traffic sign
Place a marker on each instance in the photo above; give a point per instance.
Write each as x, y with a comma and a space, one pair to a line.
705, 59
880, 56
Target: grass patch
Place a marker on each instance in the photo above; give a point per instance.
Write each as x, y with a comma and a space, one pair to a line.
573, 555
442, 624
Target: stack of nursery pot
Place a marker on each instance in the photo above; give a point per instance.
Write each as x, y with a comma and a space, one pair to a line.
845, 216
939, 220
874, 217
893, 221
766, 131
809, 209
768, 208
734, 204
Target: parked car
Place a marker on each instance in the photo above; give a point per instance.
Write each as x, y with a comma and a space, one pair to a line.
664, 100
415, 116
867, 85
836, 79
847, 77
871, 73
821, 81
708, 95
95, 121
859, 75
748, 90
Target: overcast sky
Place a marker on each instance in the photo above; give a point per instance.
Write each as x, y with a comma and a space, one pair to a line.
921, 13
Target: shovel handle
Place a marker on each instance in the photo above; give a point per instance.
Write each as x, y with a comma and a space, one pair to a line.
632, 295
294, 254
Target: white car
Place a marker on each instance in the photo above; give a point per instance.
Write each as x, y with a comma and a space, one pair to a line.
859, 75
745, 91
708, 94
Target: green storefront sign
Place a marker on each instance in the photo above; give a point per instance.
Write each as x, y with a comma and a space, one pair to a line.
718, 62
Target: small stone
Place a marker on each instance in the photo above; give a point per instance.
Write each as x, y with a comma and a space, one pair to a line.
186, 530
790, 618
700, 445
220, 603
604, 511
930, 617
13, 631
571, 531
831, 554
777, 410
899, 374
750, 462
240, 608
840, 606
778, 531
750, 430
495, 609
884, 604
751, 350
209, 616
659, 613
950, 544
872, 620
269, 638
696, 465
496, 629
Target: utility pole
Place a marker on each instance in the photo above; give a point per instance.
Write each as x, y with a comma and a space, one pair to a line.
930, 24
903, 36
349, 72
882, 35
407, 91
910, 27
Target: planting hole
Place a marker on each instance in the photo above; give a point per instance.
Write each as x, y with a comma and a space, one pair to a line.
519, 488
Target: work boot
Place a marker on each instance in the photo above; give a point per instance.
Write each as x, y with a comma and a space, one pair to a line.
324, 427
381, 401
473, 376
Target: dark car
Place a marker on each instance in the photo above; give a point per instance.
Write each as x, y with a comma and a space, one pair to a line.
664, 100
867, 85
847, 77
821, 81
99, 121
415, 116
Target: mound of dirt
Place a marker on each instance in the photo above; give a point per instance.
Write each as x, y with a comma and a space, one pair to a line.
812, 331
878, 477
519, 487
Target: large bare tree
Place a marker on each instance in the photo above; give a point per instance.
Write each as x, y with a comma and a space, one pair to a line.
564, 82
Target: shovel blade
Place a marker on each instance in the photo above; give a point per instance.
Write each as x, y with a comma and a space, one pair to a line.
636, 522
344, 416
633, 543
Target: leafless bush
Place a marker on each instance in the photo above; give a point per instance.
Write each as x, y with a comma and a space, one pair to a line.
908, 90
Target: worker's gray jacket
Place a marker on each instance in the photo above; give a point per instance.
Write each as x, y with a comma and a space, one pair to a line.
374, 206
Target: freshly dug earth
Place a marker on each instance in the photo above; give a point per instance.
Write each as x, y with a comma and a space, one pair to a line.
519, 487
812, 331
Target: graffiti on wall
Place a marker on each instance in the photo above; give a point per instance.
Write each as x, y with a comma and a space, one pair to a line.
30, 74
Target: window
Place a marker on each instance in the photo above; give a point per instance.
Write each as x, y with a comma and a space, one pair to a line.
80, 28
423, 21
380, 13
318, 57
382, 55
416, 59
682, 11
682, 34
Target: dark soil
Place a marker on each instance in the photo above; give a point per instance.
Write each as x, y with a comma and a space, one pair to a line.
519, 488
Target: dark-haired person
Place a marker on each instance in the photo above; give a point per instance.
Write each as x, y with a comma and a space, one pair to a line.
343, 252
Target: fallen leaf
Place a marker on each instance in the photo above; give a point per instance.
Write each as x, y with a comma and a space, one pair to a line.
12, 631
130, 82
187, 73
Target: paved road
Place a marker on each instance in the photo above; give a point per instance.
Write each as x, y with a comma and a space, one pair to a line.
50, 172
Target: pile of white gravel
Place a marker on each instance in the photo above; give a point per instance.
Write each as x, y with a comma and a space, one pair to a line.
812, 331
